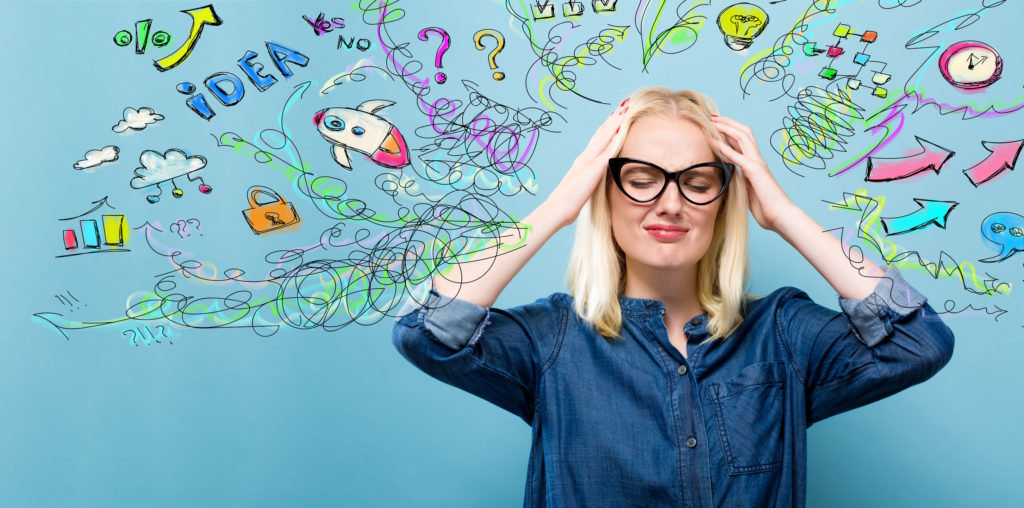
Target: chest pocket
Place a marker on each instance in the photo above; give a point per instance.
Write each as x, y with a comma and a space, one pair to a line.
750, 412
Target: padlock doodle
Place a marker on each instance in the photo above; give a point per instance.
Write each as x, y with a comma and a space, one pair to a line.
270, 215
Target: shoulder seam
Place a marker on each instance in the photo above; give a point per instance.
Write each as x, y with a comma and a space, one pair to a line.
780, 333
556, 348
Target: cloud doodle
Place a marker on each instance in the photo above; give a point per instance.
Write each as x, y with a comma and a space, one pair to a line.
158, 168
96, 158
136, 119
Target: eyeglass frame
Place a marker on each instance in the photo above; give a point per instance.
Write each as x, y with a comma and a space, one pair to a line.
615, 165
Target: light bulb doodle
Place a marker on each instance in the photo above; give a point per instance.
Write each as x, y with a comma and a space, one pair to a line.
493, 55
970, 65
741, 23
161, 168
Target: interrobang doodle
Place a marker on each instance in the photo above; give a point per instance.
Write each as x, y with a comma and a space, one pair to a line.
1005, 230
157, 169
360, 129
181, 227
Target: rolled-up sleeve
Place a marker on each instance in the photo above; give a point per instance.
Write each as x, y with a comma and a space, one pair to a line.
450, 321
891, 300
495, 354
876, 347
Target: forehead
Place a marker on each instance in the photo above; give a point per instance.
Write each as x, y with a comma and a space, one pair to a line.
672, 143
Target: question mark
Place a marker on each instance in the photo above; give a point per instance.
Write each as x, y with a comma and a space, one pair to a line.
491, 58
445, 42
189, 221
182, 226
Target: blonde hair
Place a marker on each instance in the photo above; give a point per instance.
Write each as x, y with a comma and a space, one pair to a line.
596, 273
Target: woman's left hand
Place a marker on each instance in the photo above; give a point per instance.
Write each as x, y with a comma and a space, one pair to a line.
765, 195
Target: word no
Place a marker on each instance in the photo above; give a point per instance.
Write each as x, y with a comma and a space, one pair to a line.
322, 26
361, 44
228, 88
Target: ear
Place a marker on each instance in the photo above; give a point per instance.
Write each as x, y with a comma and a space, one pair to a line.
374, 105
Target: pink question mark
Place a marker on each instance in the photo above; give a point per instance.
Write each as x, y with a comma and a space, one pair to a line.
445, 42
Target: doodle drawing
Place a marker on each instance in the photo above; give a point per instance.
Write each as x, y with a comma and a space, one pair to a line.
157, 169
270, 215
360, 129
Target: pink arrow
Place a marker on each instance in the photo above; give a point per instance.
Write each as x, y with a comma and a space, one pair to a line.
931, 157
1004, 157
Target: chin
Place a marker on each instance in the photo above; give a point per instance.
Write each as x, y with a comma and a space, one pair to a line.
667, 262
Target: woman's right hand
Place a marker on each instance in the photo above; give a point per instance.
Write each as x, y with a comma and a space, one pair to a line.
578, 184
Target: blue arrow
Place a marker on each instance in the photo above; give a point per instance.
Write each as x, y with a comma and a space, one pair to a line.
930, 212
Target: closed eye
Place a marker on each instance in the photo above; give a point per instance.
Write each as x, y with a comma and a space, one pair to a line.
641, 183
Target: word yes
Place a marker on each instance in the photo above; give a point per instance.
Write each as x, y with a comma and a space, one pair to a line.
322, 26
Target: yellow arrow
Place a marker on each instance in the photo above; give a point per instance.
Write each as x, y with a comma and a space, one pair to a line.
201, 16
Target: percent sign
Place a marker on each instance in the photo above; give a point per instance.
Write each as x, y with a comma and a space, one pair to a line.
142, 37
201, 16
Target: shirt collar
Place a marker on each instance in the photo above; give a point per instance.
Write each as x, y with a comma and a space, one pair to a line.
645, 307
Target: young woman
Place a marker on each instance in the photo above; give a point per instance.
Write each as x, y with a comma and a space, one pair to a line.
656, 381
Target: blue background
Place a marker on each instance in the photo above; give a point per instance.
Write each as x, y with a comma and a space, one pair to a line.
224, 417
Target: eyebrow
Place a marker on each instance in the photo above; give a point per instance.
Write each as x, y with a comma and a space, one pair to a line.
633, 159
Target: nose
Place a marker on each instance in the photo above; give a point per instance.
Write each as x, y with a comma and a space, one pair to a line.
670, 202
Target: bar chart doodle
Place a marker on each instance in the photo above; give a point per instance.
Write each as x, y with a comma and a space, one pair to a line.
97, 232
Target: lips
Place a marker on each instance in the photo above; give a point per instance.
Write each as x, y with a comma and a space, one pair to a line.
665, 231
666, 227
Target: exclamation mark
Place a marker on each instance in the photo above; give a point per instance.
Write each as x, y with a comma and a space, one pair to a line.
142, 35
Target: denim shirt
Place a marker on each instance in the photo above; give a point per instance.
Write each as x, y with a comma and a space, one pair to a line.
632, 422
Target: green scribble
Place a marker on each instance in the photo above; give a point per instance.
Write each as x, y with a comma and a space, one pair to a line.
679, 37
869, 208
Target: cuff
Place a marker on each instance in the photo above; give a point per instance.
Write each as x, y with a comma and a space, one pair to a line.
892, 299
450, 321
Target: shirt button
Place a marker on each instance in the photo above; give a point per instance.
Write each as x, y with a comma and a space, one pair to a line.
696, 321
682, 370
691, 442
